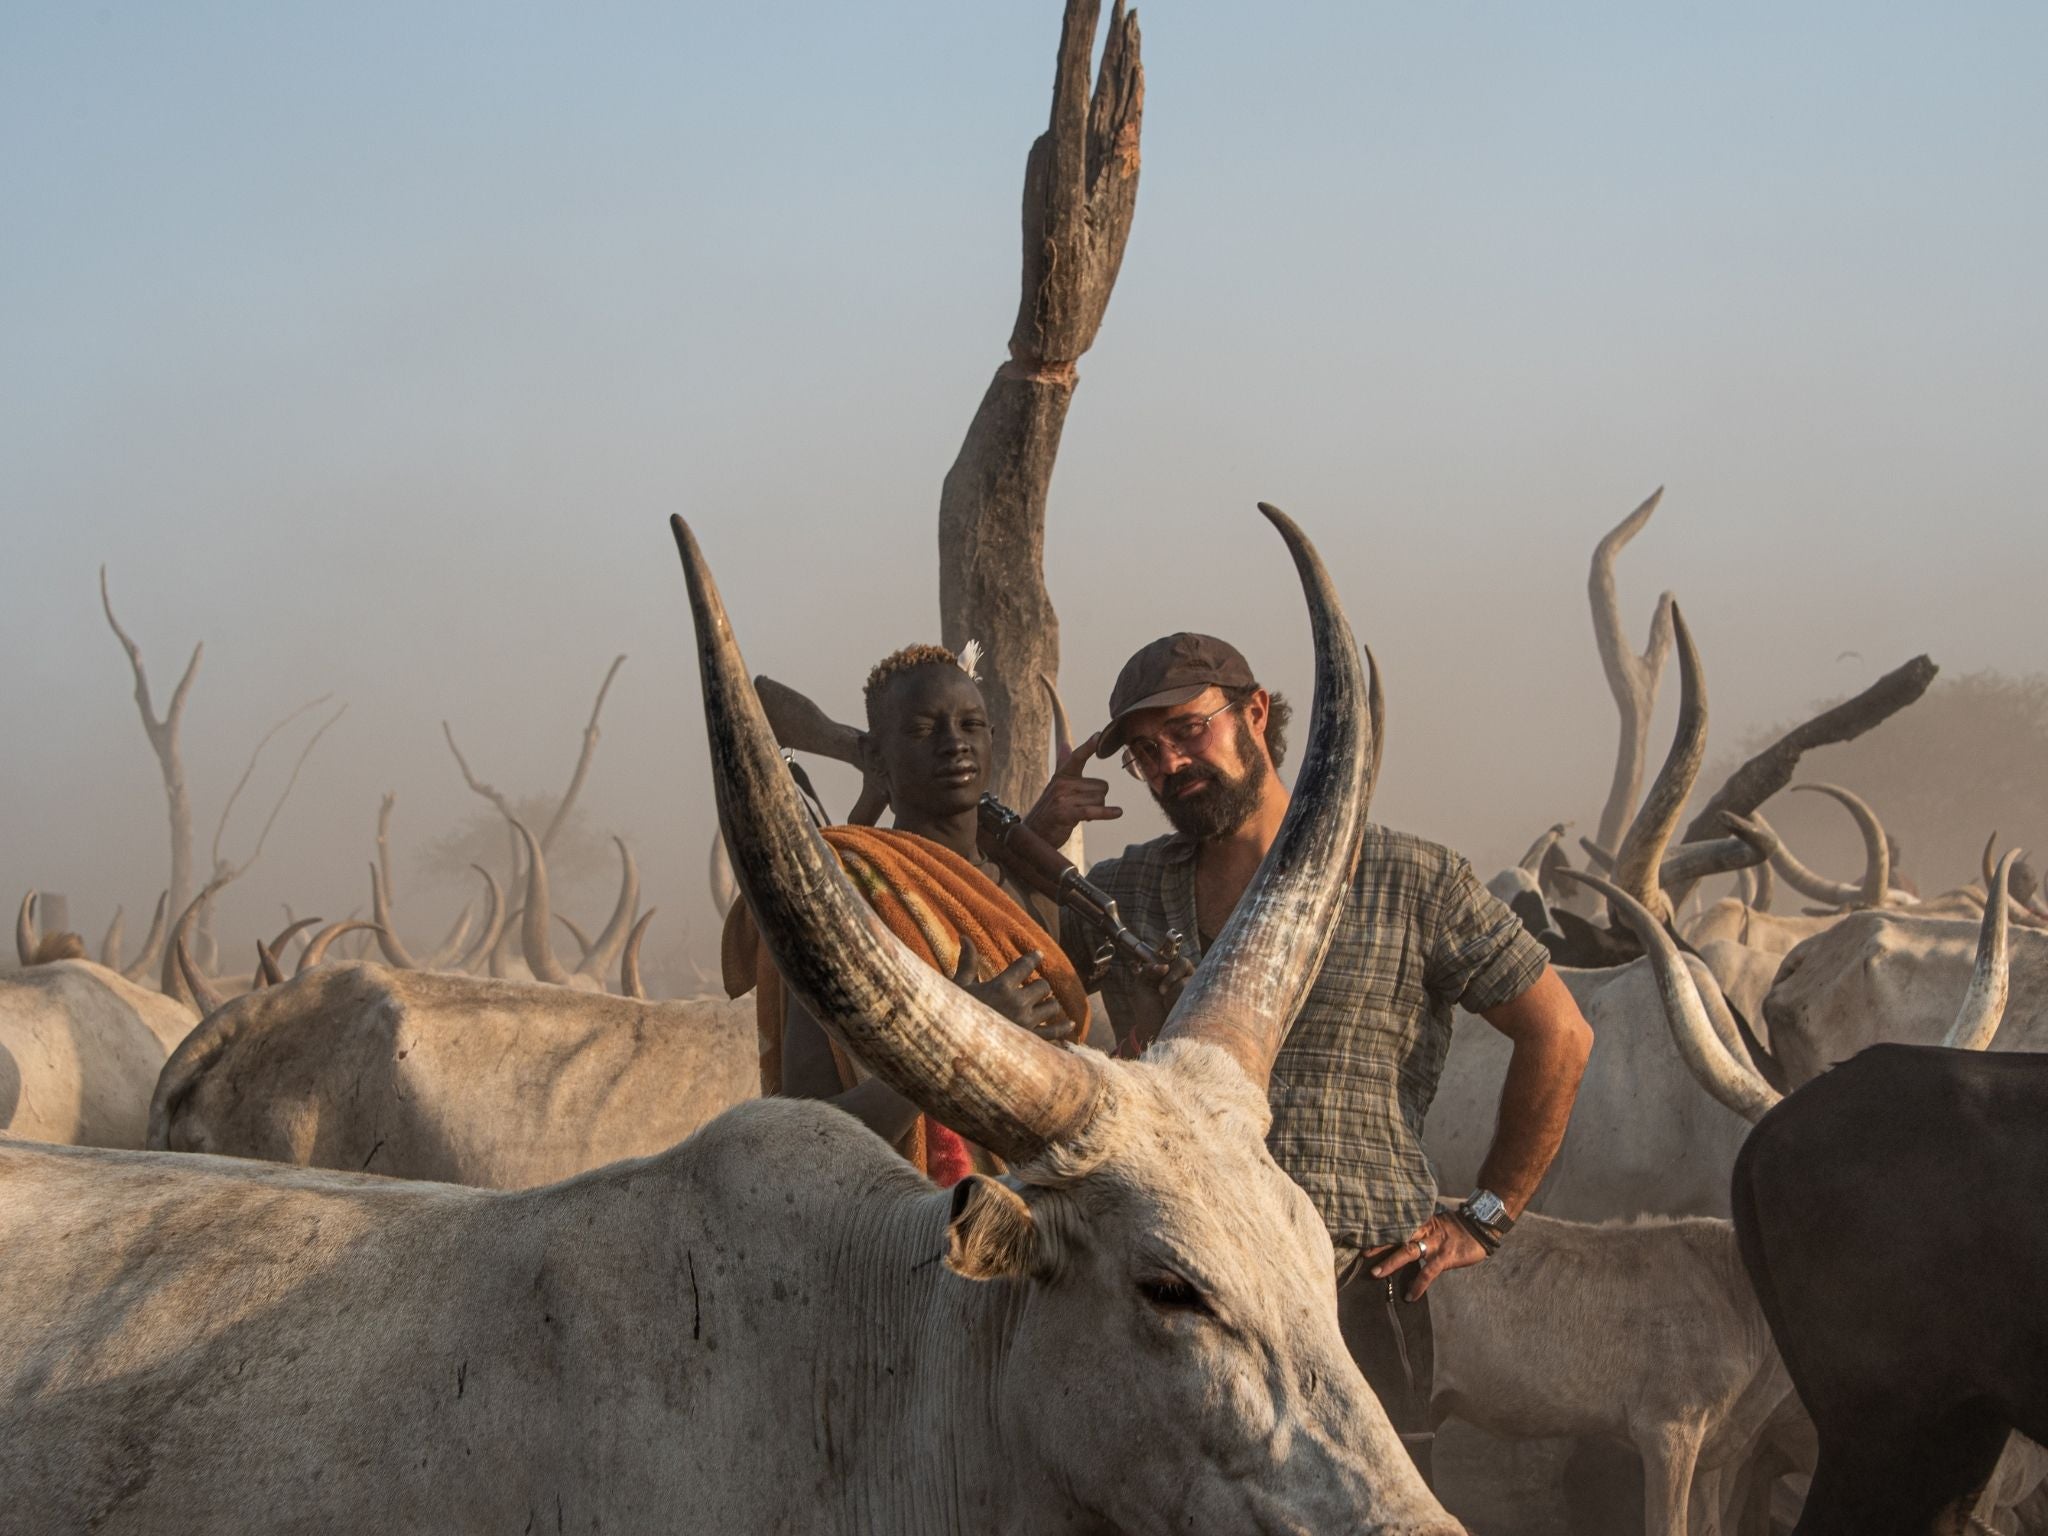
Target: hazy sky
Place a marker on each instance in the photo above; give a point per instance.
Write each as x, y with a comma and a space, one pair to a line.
373, 344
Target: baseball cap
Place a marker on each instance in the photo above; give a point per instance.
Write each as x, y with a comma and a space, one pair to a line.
1169, 671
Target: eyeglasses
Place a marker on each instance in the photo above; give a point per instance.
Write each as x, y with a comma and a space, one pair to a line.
1141, 756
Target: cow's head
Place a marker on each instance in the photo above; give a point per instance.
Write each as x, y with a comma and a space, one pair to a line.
1174, 1362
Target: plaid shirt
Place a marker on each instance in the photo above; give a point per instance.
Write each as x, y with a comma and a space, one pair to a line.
1416, 936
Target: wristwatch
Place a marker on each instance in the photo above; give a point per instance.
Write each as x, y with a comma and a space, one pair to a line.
1486, 1214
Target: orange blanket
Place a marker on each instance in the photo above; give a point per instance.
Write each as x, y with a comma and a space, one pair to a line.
929, 897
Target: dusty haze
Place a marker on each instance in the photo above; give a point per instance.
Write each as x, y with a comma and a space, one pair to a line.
374, 348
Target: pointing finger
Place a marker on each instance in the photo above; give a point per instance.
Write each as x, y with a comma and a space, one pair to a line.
1076, 762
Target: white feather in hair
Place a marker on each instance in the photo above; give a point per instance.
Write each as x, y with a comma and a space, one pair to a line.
970, 659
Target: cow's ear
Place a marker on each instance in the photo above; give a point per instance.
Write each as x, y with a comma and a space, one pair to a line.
991, 1235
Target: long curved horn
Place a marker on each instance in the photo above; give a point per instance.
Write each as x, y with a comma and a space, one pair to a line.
630, 984
1531, 863
612, 940
110, 946
268, 972
1746, 846
2022, 885
1720, 1072
584, 945
724, 890
1986, 869
1637, 860
205, 996
1076, 846
1807, 882
1983, 1007
498, 962
1596, 855
494, 922
533, 929
173, 982
1252, 981
1633, 679
387, 933
1877, 854
952, 1055
454, 945
1376, 707
284, 934
1062, 727
25, 938
144, 963
316, 951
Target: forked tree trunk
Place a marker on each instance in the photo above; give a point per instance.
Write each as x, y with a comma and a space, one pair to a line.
163, 740
1080, 188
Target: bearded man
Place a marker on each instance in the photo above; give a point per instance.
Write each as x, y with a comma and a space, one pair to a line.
1418, 936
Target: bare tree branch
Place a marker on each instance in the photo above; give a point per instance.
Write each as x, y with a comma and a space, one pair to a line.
225, 872
568, 800
163, 737
1080, 191
515, 855
1772, 769
490, 793
496, 797
236, 793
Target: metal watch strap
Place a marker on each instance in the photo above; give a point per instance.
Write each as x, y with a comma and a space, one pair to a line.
1486, 1215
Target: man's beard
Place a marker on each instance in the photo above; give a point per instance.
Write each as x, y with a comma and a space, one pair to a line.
1226, 804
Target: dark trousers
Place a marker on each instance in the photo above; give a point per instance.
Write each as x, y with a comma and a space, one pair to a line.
1390, 1339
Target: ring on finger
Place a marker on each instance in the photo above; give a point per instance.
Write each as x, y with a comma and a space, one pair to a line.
1421, 1247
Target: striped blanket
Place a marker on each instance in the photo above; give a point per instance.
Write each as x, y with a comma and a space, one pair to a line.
930, 898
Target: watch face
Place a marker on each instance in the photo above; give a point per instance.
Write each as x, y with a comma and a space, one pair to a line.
1488, 1207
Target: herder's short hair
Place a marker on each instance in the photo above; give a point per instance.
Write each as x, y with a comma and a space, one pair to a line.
898, 662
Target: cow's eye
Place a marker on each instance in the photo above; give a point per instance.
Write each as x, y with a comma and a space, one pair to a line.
1170, 1293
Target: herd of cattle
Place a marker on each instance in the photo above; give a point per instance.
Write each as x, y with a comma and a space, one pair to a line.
402, 1246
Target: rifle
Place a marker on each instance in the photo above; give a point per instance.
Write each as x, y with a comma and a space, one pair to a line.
1024, 854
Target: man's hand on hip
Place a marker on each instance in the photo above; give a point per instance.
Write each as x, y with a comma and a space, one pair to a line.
1439, 1244
1071, 798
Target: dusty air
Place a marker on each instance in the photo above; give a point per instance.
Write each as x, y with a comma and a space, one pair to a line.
1423, 923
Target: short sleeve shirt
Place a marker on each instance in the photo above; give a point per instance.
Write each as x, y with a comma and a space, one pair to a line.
1417, 936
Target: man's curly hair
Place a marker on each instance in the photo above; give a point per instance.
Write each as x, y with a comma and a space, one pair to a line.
895, 664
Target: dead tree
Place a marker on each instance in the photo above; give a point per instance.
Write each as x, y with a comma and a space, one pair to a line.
560, 818
1633, 678
163, 740
1771, 769
1080, 188
227, 871
567, 802
164, 734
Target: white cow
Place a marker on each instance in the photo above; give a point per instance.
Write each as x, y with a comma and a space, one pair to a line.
1893, 976
778, 1325
80, 1049
432, 1075
1646, 1333
1643, 1136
